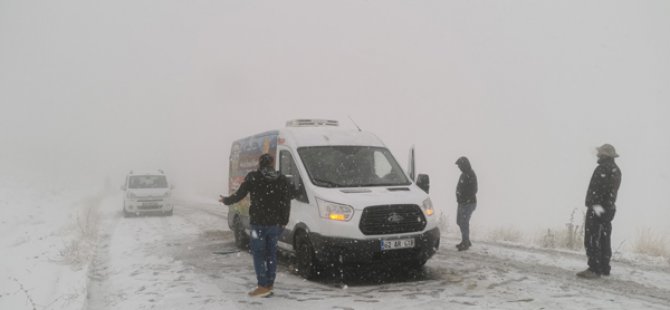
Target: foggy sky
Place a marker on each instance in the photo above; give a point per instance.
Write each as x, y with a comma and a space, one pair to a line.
526, 89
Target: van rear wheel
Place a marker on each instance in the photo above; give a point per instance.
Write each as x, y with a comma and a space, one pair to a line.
241, 238
126, 213
305, 258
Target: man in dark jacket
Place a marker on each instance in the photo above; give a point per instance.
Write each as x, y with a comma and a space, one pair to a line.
600, 201
466, 196
268, 214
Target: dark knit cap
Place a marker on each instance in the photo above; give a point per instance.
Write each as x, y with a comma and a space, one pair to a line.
266, 160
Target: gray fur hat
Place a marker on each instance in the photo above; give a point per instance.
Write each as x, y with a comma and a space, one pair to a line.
607, 150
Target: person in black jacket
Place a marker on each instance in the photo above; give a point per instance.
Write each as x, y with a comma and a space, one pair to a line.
466, 196
600, 202
268, 214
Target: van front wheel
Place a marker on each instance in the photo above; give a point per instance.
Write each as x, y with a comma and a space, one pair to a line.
417, 263
305, 259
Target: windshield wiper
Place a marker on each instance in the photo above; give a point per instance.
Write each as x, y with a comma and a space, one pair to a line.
375, 184
326, 183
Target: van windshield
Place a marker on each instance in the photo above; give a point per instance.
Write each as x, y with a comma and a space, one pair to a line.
147, 181
351, 166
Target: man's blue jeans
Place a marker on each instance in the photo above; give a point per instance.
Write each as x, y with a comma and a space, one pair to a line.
264, 249
463, 219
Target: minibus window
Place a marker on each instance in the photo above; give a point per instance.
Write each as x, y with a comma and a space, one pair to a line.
285, 163
382, 166
287, 167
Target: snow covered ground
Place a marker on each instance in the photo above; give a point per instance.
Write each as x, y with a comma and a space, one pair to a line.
167, 263
47, 237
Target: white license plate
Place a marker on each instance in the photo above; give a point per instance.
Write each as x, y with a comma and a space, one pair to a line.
397, 244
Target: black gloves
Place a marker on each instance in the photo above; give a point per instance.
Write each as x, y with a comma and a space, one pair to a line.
224, 200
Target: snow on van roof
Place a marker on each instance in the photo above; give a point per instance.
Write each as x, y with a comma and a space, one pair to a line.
318, 136
311, 122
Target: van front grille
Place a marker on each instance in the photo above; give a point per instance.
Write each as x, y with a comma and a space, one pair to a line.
392, 219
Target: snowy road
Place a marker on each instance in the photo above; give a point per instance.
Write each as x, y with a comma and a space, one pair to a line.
167, 263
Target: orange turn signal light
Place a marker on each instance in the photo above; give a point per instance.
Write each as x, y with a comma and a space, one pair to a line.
337, 217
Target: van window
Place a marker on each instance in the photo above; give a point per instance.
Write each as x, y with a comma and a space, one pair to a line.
286, 164
287, 167
351, 166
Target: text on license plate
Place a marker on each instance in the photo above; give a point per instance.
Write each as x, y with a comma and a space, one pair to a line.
397, 244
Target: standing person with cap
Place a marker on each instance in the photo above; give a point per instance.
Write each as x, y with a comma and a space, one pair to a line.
600, 201
268, 214
466, 196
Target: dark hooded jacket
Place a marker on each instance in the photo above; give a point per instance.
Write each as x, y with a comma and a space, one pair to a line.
604, 184
270, 197
466, 190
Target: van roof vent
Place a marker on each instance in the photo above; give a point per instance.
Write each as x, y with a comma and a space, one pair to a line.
355, 190
311, 123
395, 189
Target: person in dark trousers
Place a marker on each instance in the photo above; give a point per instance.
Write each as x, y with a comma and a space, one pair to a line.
466, 196
268, 214
600, 202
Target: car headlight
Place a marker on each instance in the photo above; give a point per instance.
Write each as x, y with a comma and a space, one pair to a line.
334, 211
427, 207
132, 195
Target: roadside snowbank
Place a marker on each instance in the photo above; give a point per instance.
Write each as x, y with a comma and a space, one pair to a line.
47, 237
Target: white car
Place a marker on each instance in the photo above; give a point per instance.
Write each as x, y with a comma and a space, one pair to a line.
147, 192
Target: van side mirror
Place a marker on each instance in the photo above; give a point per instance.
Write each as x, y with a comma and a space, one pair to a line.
423, 182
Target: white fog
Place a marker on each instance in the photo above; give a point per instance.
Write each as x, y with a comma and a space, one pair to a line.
525, 89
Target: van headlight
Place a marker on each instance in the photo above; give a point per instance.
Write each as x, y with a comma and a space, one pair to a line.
334, 211
132, 195
427, 207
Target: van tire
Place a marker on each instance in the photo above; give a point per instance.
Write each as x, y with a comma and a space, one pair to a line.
241, 238
305, 259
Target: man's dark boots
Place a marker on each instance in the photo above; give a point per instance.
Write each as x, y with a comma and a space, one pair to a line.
463, 245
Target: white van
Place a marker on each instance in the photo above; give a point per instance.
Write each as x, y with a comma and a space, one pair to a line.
356, 204
147, 192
